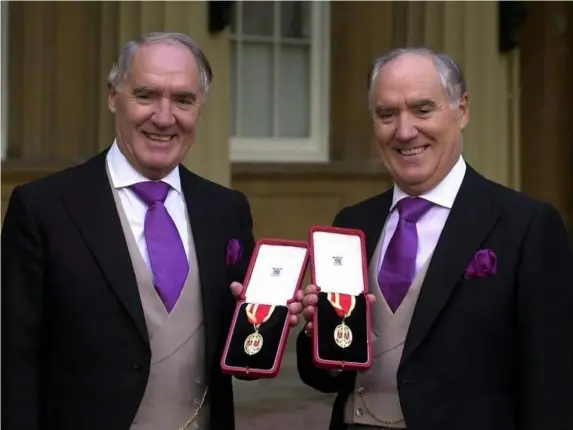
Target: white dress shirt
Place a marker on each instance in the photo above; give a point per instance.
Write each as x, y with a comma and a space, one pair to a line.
432, 223
123, 174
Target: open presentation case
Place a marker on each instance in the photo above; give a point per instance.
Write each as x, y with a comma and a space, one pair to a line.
259, 331
339, 268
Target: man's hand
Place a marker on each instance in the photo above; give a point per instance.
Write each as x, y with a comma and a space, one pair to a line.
236, 289
295, 308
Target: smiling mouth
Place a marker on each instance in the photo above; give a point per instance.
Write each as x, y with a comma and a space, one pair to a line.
413, 151
159, 137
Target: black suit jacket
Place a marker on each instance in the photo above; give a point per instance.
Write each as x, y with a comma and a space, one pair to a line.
492, 353
75, 349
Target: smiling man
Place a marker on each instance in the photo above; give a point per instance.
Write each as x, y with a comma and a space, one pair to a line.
116, 273
471, 282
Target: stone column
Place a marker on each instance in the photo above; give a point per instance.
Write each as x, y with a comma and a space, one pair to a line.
352, 53
547, 112
468, 31
4, 78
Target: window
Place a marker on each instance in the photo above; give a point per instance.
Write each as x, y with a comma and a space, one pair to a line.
279, 81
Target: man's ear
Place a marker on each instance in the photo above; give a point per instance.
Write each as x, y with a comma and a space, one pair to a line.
111, 98
464, 110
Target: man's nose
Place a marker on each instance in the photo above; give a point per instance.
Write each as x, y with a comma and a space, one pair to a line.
406, 129
163, 115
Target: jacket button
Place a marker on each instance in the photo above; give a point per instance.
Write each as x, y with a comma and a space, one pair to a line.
137, 364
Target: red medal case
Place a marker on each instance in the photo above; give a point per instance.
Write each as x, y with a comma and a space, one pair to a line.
339, 269
275, 273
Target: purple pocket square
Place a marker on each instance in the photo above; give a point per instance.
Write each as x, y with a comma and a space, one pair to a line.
484, 263
234, 252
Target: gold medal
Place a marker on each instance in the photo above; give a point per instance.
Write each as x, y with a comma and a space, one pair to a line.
343, 305
253, 343
343, 336
257, 315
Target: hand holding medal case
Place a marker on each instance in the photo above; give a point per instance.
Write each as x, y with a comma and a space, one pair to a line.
342, 333
259, 331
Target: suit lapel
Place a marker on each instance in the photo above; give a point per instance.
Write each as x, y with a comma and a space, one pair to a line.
205, 236
92, 207
373, 229
471, 219
371, 221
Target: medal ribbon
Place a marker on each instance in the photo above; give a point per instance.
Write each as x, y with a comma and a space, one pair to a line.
343, 304
258, 314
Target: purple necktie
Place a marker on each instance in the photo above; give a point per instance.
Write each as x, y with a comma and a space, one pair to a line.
166, 252
399, 266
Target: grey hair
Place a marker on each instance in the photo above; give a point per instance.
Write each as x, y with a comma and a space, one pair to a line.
122, 66
449, 71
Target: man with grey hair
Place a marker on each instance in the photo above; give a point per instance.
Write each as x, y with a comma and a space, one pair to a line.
118, 275
471, 283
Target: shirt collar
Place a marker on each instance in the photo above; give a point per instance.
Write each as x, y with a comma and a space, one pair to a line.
123, 174
444, 193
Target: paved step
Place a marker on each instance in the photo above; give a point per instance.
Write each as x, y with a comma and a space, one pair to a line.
281, 403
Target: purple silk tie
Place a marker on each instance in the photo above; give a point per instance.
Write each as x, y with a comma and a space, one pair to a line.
166, 252
399, 266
